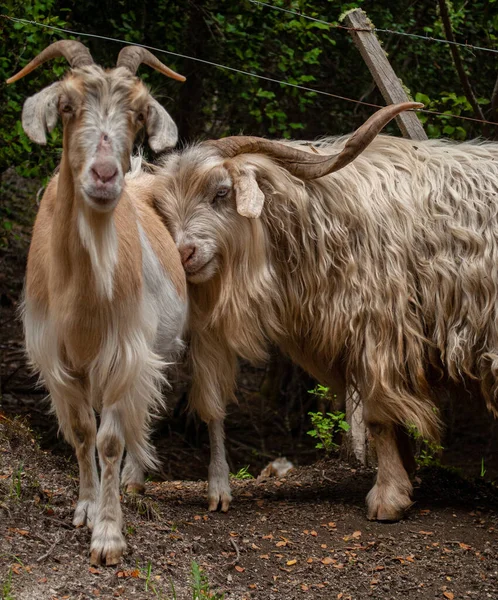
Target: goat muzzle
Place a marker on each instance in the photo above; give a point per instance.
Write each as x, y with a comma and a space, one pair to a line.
76, 54
305, 165
131, 57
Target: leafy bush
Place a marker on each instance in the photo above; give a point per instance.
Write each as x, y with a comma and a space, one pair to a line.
326, 427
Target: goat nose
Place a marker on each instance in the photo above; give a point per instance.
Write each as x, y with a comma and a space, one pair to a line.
104, 171
186, 253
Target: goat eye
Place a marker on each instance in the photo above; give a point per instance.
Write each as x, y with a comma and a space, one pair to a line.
66, 108
141, 118
221, 193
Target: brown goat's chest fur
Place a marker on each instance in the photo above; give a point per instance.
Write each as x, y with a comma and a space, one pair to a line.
64, 291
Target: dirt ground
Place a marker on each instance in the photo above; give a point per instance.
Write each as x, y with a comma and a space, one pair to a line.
304, 536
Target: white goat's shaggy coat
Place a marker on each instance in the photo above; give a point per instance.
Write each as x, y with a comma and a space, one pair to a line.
385, 271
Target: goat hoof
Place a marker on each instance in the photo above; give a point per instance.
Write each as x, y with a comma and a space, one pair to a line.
135, 488
107, 548
84, 514
221, 500
387, 504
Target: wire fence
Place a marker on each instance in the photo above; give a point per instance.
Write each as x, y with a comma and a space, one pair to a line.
426, 38
249, 73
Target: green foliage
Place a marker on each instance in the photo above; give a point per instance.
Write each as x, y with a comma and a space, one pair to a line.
24, 42
200, 585
7, 587
483, 470
427, 451
242, 474
16, 485
326, 427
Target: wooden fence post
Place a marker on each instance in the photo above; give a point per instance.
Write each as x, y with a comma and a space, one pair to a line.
356, 443
385, 78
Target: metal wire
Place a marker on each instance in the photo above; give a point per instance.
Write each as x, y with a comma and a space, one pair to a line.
376, 29
233, 69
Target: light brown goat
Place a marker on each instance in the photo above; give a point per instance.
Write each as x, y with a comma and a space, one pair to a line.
381, 272
105, 300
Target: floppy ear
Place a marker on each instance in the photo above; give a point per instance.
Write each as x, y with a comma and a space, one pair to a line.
248, 196
40, 112
162, 131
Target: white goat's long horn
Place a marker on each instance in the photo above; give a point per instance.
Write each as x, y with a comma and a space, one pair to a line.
131, 57
76, 54
311, 166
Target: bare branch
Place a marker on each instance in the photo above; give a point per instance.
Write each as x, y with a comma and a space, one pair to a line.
457, 60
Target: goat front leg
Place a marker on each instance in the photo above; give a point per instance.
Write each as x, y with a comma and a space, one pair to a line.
218, 474
78, 423
213, 382
108, 543
390, 497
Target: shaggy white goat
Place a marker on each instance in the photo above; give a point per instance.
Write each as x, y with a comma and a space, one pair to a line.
384, 272
105, 299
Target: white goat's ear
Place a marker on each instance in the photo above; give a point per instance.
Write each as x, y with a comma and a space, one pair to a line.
162, 131
40, 113
248, 196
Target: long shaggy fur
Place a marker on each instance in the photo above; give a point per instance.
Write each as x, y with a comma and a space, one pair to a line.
386, 269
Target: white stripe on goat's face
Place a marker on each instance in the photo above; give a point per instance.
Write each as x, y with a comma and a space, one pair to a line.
102, 112
198, 201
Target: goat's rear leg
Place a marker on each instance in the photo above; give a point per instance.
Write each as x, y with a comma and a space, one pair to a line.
390, 497
132, 476
77, 421
108, 543
218, 481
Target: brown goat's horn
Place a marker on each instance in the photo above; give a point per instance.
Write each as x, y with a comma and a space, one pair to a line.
76, 54
311, 166
131, 57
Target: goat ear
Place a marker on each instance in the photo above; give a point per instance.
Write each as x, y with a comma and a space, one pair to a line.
162, 131
40, 113
248, 196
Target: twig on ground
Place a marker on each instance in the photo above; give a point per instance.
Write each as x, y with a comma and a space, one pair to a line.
237, 558
50, 550
327, 478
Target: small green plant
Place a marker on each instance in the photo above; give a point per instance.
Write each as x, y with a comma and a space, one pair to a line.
427, 451
16, 487
7, 587
130, 530
242, 474
200, 585
483, 470
326, 427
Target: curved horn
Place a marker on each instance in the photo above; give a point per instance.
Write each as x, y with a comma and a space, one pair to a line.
76, 54
311, 166
131, 57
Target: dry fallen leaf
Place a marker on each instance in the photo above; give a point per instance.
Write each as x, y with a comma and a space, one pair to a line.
449, 595
239, 569
304, 587
309, 561
356, 535
426, 532
379, 568
252, 586
265, 556
42, 580
313, 533
291, 562
281, 544
328, 561
93, 570
464, 546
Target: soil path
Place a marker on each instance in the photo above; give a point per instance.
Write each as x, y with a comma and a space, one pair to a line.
305, 536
